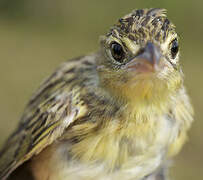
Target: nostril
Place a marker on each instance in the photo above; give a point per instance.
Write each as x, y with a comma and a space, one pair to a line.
150, 48
150, 52
141, 51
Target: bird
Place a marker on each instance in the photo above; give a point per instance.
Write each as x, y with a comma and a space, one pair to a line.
120, 113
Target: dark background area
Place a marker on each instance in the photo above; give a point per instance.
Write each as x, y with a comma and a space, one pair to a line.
37, 35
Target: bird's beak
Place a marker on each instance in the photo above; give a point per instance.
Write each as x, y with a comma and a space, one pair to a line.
146, 61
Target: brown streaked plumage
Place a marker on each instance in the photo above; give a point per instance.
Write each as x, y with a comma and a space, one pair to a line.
120, 113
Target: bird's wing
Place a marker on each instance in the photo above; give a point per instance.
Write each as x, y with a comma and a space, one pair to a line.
51, 110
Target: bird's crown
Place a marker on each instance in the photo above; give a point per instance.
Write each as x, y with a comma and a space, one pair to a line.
144, 24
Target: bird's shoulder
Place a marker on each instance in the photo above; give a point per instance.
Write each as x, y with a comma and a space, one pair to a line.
52, 108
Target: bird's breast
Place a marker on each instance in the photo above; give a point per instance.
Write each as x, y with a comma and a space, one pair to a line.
132, 150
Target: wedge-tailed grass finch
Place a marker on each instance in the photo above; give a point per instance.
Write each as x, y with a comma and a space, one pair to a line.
120, 113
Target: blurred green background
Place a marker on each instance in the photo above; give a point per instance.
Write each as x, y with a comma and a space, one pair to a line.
37, 35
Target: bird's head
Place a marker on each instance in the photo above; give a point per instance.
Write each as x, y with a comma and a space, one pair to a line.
140, 57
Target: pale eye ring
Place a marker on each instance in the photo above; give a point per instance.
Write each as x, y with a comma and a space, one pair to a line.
117, 52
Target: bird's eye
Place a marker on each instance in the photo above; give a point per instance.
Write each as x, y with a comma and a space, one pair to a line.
174, 48
117, 52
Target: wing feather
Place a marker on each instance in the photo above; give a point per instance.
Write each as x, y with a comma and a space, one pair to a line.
51, 110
